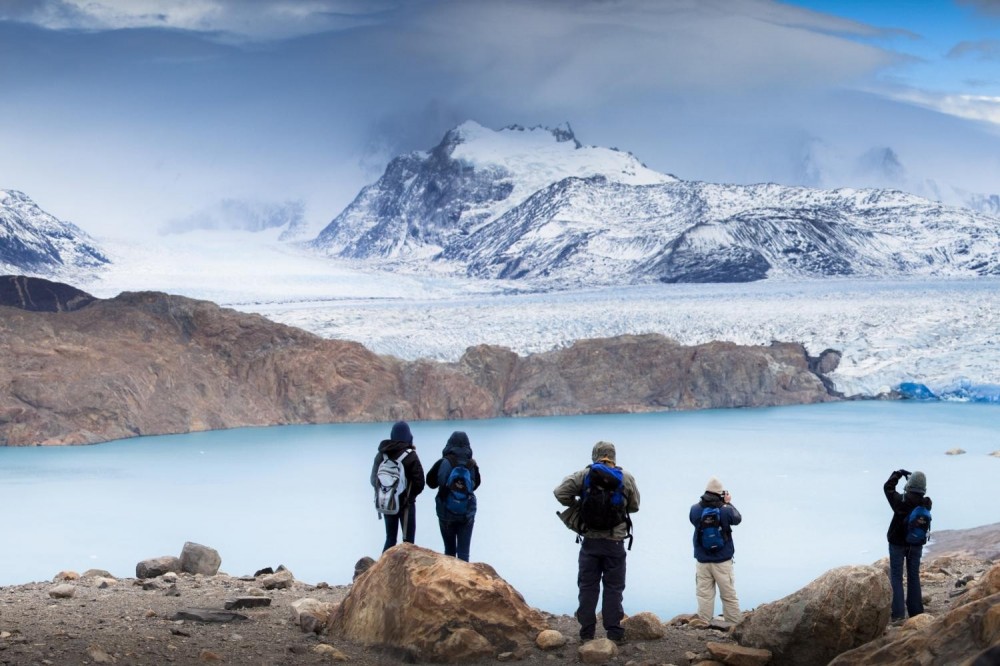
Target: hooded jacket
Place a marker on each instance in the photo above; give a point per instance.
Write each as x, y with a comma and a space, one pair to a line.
412, 468
902, 505
728, 515
458, 450
568, 493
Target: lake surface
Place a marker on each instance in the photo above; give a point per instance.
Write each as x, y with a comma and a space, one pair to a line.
808, 481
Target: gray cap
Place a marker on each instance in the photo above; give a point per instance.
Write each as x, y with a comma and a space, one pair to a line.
715, 486
917, 483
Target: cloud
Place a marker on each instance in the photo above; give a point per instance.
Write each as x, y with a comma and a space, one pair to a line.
988, 7
986, 49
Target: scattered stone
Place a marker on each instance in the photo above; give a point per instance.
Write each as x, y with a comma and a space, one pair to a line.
104, 583
207, 615
209, 656
362, 565
172, 591
99, 656
682, 619
65, 576
279, 580
720, 624
247, 602
5, 635
698, 622
550, 639
597, 651
413, 588
169, 577
157, 566
644, 626
311, 615
736, 655
330, 652
64, 591
842, 609
918, 622
322, 585
198, 559
97, 573
954, 452
149, 614
179, 632
150, 585
262, 572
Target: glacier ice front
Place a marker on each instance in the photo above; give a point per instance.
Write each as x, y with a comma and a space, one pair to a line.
960, 391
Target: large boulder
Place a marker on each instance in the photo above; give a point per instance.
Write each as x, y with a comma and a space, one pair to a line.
199, 559
957, 637
435, 608
157, 566
842, 609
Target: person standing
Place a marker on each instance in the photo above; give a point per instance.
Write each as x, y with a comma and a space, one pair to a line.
456, 476
399, 448
600, 498
902, 552
713, 517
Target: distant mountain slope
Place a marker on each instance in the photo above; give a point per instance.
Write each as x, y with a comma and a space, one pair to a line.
426, 201
36, 243
535, 204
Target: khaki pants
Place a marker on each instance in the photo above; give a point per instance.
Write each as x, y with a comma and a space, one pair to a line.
707, 577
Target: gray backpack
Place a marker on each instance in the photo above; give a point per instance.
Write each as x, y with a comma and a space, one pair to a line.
390, 484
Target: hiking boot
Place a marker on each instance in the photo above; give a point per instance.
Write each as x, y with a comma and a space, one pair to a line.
617, 638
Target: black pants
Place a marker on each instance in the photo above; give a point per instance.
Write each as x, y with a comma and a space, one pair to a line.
601, 560
407, 520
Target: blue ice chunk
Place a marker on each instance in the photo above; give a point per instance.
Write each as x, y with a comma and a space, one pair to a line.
915, 391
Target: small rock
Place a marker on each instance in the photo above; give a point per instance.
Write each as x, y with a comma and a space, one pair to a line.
5, 634
279, 580
311, 615
737, 655
597, 651
322, 585
172, 591
362, 565
169, 577
263, 572
99, 656
698, 622
644, 626
954, 452
918, 622
198, 559
157, 566
247, 602
330, 652
104, 583
150, 585
550, 639
209, 656
149, 614
66, 575
207, 615
97, 573
64, 591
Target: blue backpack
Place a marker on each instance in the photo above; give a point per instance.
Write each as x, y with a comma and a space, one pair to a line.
710, 529
602, 502
918, 526
460, 500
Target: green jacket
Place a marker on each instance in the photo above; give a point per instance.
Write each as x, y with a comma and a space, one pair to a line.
568, 494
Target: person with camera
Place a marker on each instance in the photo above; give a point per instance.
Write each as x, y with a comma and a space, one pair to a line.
907, 533
713, 517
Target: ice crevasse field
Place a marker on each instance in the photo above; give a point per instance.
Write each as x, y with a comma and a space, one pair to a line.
808, 481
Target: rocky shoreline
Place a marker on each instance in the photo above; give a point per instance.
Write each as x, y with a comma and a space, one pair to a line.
194, 616
85, 371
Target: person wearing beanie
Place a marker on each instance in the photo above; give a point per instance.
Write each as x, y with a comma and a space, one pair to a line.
602, 546
400, 446
455, 503
714, 567
903, 555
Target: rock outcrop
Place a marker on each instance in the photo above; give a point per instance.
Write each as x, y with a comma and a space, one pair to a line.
149, 363
980, 542
957, 637
842, 609
435, 608
39, 295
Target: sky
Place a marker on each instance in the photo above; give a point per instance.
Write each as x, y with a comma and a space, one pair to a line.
128, 117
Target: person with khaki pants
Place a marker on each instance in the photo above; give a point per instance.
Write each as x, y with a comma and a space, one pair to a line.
713, 517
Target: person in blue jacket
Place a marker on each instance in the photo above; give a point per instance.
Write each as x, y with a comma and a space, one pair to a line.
715, 565
456, 502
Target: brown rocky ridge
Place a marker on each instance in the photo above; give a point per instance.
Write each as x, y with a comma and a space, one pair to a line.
414, 605
150, 363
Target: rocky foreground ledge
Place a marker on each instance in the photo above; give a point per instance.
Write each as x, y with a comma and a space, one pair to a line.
79, 370
414, 605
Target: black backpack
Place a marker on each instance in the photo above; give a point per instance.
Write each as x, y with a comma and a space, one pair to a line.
603, 505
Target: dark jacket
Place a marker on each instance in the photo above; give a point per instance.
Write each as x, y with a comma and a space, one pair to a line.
411, 467
729, 516
901, 505
457, 451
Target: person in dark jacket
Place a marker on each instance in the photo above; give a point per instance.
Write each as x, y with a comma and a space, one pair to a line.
602, 551
456, 518
715, 569
902, 554
400, 444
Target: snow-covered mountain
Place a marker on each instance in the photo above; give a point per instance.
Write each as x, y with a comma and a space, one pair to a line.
32, 242
427, 201
535, 204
